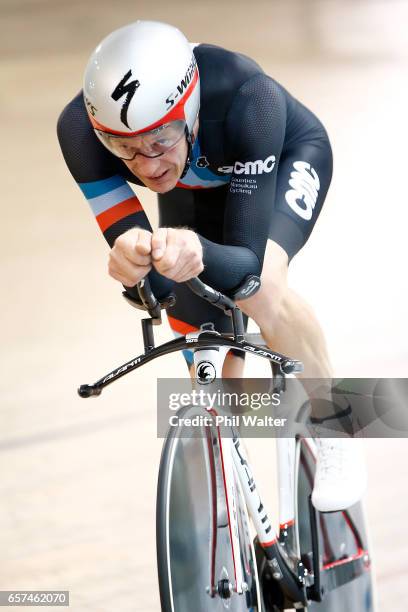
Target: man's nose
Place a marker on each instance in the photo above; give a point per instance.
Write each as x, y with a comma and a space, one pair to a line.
146, 165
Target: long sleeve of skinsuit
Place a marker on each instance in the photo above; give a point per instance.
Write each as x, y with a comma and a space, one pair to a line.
103, 180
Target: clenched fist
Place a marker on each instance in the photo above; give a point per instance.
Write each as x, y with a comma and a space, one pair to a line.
130, 259
177, 253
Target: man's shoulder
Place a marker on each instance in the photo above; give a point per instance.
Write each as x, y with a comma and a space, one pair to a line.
73, 125
214, 60
222, 73
74, 110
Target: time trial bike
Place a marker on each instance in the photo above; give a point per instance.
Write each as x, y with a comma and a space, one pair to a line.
207, 497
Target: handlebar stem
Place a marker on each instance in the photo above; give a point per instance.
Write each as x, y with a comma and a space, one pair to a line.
237, 325
148, 336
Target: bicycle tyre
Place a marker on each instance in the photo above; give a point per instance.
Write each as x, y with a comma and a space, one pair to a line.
192, 531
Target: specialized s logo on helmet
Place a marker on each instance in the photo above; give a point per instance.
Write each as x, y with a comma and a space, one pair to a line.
120, 90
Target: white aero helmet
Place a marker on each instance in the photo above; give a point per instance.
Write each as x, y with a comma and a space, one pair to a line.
142, 89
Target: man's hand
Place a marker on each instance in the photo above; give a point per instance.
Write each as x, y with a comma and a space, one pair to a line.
177, 253
130, 259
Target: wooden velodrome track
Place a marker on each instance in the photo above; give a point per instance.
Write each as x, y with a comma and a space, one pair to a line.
77, 479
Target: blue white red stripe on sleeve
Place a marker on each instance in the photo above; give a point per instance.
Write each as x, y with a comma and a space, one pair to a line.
111, 200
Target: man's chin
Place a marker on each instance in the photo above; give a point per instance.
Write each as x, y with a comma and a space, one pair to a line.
162, 188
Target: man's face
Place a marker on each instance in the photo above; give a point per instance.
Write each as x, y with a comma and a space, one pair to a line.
160, 174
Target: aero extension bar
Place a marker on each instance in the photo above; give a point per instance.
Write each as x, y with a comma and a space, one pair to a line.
238, 339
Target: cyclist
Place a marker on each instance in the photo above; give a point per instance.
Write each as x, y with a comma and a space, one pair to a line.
241, 169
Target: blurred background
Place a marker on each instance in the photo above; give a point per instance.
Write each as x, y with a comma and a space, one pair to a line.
78, 479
